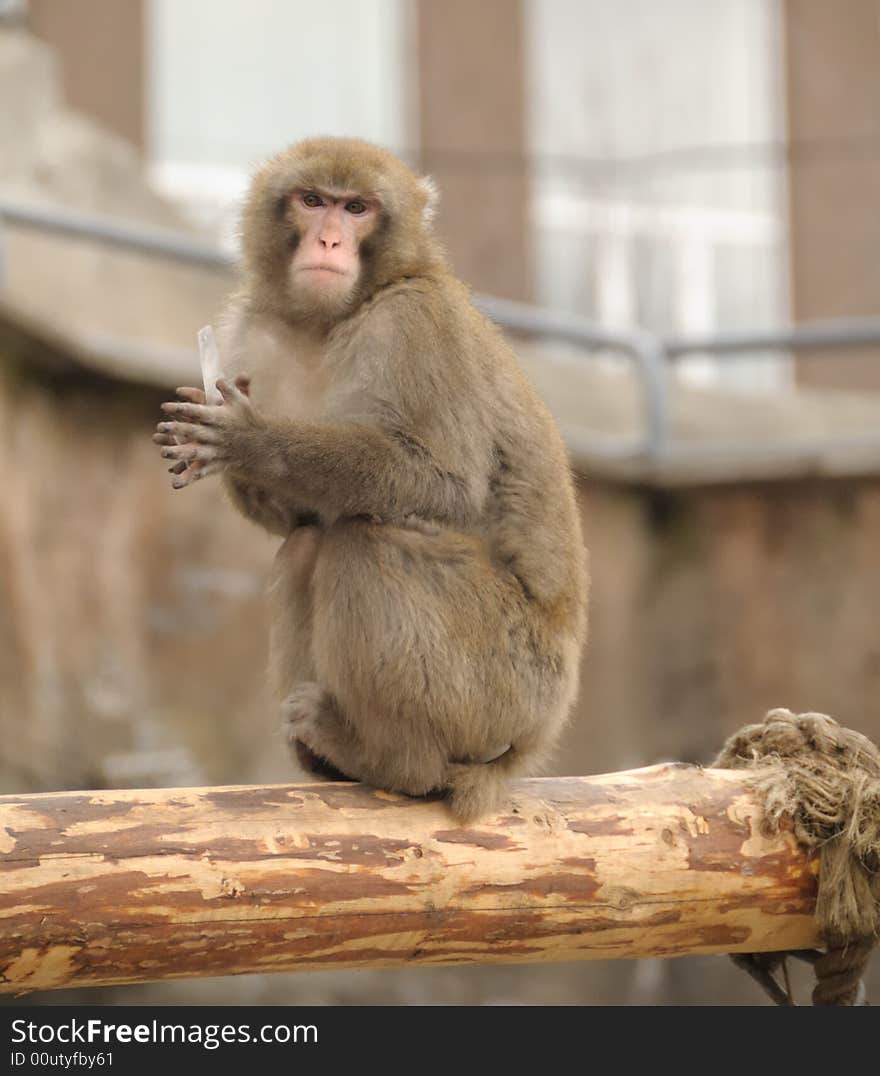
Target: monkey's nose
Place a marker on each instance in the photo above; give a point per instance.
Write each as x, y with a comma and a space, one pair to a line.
330, 244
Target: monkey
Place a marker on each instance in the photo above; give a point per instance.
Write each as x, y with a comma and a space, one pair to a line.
430, 592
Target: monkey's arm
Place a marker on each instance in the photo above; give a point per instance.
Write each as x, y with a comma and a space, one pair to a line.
349, 469
334, 468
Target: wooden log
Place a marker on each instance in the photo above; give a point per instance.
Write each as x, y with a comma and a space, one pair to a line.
133, 886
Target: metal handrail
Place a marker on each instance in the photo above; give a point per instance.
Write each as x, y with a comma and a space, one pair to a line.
155, 242
809, 335
642, 347
650, 353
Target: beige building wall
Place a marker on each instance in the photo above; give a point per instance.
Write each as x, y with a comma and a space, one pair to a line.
833, 96
99, 47
472, 132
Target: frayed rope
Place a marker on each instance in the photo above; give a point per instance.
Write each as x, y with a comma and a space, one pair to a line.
825, 781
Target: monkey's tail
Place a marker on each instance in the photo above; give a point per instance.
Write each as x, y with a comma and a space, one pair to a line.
474, 789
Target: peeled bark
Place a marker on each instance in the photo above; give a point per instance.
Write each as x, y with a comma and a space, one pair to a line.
135, 886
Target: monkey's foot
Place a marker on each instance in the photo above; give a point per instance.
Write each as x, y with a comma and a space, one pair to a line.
303, 704
298, 710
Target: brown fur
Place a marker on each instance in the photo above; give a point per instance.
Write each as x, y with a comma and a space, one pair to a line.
429, 598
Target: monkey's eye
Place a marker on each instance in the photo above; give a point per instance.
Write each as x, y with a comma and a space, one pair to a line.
356, 206
312, 200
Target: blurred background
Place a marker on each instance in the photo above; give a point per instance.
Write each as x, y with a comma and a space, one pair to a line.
686, 193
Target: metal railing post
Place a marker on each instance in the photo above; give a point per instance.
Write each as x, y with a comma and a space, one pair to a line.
4, 256
647, 350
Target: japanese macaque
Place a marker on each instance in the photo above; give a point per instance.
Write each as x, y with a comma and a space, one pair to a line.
429, 595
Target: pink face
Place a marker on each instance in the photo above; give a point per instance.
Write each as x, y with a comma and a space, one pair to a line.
331, 226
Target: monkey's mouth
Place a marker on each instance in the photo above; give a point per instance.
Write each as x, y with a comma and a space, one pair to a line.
323, 269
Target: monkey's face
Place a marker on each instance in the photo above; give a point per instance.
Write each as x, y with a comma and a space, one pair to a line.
330, 226
327, 223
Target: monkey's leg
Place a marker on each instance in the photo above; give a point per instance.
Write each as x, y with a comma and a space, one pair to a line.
432, 658
317, 733
291, 644
314, 764
290, 595
260, 507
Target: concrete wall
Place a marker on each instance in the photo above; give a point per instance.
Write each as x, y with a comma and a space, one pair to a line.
711, 605
132, 625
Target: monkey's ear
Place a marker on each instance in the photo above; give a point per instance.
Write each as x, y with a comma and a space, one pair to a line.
432, 196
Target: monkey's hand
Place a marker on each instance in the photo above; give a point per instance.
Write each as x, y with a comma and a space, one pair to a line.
201, 437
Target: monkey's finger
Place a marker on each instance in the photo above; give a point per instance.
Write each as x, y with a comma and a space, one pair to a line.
196, 475
231, 393
243, 383
207, 414
196, 396
191, 452
164, 439
184, 480
187, 469
206, 469
187, 431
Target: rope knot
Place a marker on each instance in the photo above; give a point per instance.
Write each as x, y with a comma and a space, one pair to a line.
825, 779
